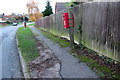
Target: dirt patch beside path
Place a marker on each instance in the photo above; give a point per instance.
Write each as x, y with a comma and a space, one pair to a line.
45, 66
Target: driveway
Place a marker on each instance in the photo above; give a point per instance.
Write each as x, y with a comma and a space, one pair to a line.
9, 59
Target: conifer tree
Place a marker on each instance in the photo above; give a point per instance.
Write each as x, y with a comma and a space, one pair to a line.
48, 9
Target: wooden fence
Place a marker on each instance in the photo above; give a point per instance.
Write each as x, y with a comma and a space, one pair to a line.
97, 26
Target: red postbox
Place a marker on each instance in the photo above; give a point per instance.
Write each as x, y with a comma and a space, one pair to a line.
66, 20
25, 24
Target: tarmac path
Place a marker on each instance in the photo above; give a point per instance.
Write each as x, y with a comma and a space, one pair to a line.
10, 66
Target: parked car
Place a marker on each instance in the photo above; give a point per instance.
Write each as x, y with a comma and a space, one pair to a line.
15, 24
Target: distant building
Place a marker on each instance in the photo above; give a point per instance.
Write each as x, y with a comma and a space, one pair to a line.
60, 6
2, 18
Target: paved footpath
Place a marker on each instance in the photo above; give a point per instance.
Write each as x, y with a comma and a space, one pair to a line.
70, 66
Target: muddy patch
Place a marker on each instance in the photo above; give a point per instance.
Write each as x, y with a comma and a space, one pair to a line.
45, 66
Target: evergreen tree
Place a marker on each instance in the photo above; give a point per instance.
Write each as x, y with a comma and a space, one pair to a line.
48, 9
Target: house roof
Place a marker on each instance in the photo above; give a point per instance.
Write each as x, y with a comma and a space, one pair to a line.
60, 6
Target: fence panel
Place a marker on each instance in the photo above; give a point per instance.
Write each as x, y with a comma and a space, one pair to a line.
97, 26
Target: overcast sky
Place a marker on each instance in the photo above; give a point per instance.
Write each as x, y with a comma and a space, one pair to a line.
19, 6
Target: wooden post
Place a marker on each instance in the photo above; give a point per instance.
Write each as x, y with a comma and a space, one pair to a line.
80, 26
71, 30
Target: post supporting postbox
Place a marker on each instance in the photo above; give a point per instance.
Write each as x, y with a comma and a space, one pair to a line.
25, 24
70, 25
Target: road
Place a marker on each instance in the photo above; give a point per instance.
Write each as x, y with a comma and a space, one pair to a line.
10, 66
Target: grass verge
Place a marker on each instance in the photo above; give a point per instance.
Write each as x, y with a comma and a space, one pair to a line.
103, 71
32, 24
62, 42
27, 44
1, 26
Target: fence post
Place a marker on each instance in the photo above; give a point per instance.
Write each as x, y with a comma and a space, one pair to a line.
71, 30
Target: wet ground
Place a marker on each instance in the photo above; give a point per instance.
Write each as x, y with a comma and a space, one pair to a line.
46, 65
10, 66
70, 66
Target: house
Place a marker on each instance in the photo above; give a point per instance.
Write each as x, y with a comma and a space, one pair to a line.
2, 19
60, 6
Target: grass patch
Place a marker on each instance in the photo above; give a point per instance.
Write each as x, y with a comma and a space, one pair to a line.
1, 26
32, 24
27, 44
102, 71
117, 76
62, 42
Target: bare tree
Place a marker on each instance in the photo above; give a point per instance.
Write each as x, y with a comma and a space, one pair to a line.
33, 10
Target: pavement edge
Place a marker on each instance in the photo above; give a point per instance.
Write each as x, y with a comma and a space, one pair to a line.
23, 63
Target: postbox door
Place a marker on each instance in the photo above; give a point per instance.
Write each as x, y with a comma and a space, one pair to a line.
66, 21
